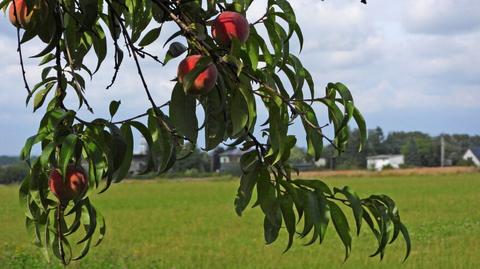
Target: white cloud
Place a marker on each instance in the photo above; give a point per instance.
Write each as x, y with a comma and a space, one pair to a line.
442, 17
396, 57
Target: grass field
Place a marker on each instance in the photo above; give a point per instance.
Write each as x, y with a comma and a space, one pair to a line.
192, 224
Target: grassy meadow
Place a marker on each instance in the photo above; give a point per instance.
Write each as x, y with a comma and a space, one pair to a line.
192, 224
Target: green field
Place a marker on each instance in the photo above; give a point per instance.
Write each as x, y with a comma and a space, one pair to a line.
192, 224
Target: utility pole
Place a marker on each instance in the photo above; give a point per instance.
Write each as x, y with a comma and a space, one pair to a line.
442, 151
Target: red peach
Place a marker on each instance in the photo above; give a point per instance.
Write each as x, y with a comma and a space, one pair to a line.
229, 25
23, 17
204, 82
74, 187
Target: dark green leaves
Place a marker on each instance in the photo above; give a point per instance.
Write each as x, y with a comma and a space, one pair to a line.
341, 226
114, 107
312, 129
355, 204
150, 37
339, 93
176, 49
286, 205
163, 142
215, 120
386, 216
183, 115
66, 152
318, 206
247, 182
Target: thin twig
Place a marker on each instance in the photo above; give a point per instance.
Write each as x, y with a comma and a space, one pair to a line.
19, 50
261, 19
77, 87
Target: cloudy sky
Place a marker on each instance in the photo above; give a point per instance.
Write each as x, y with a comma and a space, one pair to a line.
411, 65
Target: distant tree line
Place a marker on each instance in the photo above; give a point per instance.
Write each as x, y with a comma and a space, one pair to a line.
419, 149
12, 170
7, 160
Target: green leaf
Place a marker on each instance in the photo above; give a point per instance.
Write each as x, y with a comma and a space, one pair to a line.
124, 166
244, 193
51, 44
176, 49
152, 162
251, 104
362, 127
355, 204
316, 214
314, 184
40, 95
114, 107
239, 113
253, 47
183, 113
47, 58
313, 131
27, 148
163, 146
66, 152
214, 120
271, 229
286, 205
341, 225
47, 152
99, 42
150, 37
408, 243
89, 220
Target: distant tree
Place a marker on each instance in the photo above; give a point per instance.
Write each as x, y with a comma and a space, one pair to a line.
13, 173
299, 155
410, 153
375, 142
198, 160
4, 160
395, 141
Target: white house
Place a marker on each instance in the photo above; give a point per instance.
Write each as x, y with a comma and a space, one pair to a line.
230, 160
472, 154
322, 162
377, 162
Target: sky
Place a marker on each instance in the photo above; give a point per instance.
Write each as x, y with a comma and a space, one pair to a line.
411, 66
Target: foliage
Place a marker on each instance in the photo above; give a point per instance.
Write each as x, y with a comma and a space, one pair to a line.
299, 155
197, 160
260, 72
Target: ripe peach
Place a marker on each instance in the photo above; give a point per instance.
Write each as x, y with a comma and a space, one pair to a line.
228, 25
204, 82
74, 187
23, 16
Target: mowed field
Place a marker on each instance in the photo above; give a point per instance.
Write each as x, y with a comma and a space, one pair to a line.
192, 224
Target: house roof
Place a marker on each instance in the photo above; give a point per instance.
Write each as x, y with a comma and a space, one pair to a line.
476, 151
